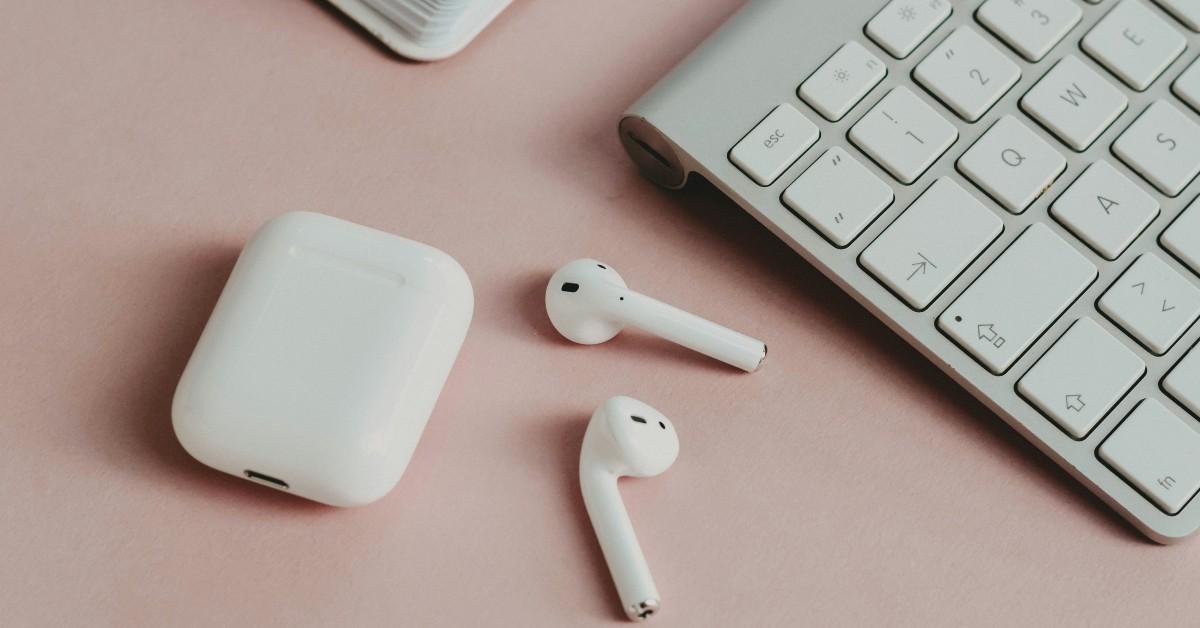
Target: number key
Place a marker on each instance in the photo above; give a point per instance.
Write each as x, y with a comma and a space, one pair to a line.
967, 73
1031, 27
903, 134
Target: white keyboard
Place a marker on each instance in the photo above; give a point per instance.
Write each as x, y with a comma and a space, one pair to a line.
1008, 184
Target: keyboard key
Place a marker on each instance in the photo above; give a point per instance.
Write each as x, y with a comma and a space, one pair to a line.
1152, 303
774, 144
838, 196
1186, 11
1105, 209
1183, 237
903, 24
1017, 298
1187, 86
903, 134
1183, 382
967, 73
1163, 146
1012, 164
1031, 27
1158, 453
842, 81
1074, 103
1081, 377
931, 243
1134, 43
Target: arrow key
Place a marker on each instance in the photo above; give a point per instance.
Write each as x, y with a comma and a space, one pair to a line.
1153, 303
1079, 380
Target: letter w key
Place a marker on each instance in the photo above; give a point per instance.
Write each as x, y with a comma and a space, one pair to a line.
1074, 103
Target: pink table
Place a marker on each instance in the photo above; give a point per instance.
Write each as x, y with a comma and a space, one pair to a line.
848, 482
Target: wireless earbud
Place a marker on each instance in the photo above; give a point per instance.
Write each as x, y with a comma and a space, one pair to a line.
625, 437
589, 303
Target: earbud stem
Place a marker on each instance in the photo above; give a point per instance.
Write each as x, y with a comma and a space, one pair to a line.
691, 331
614, 530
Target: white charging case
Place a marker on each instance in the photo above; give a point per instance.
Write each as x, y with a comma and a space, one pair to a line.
323, 359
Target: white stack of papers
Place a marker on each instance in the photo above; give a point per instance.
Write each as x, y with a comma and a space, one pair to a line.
423, 29
426, 21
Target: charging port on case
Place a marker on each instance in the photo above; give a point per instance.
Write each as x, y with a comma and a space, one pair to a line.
265, 479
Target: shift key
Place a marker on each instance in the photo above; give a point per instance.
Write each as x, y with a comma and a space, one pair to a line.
1017, 298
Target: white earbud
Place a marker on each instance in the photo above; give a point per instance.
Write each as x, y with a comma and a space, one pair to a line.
589, 303
625, 437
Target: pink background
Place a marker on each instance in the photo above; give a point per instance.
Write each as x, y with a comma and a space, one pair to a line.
141, 142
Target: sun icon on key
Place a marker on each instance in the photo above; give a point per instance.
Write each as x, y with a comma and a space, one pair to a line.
841, 75
908, 14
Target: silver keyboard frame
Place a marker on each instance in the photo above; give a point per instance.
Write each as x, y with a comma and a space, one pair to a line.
687, 123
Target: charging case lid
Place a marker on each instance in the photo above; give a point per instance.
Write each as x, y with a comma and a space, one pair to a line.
323, 358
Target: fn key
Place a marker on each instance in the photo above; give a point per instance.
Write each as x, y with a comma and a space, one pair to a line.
1158, 453
1017, 298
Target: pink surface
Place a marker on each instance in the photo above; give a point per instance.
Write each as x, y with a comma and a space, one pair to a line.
141, 142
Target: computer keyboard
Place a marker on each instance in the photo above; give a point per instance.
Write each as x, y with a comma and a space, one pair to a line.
1008, 184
